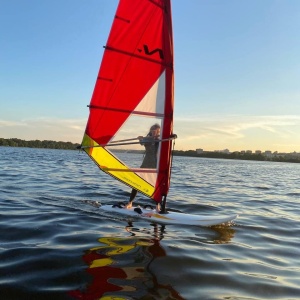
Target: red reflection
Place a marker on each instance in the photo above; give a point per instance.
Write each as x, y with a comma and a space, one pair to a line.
120, 269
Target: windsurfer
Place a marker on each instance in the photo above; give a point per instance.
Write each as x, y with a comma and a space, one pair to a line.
150, 158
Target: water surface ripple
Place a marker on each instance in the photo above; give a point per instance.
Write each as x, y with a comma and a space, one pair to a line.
56, 244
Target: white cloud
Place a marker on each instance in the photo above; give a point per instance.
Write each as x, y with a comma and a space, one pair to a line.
4, 124
238, 131
44, 129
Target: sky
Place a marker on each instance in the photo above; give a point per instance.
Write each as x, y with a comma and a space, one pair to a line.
237, 71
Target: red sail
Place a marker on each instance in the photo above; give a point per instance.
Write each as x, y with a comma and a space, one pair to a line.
138, 59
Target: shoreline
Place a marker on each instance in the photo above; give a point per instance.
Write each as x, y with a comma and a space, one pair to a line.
48, 144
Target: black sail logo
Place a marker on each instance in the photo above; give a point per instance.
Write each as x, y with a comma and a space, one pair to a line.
152, 52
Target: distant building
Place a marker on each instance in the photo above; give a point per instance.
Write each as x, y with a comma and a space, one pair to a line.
268, 153
226, 151
294, 154
199, 151
249, 151
257, 151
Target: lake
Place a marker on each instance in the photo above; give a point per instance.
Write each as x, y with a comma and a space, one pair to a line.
56, 244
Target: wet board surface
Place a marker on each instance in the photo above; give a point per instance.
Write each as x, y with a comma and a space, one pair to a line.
171, 217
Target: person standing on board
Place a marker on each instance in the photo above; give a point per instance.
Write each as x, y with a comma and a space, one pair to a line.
150, 158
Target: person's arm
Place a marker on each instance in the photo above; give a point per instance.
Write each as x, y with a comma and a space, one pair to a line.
140, 139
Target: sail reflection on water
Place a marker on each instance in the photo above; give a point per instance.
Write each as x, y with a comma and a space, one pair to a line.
121, 269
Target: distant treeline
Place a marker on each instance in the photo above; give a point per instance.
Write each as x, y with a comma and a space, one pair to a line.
14, 142
37, 144
237, 155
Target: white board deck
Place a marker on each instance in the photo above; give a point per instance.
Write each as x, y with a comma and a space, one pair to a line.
171, 217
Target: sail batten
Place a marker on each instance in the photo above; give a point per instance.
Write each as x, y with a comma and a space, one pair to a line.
134, 91
167, 64
127, 111
116, 143
129, 170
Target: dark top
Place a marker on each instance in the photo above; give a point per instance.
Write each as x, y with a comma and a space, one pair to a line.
151, 147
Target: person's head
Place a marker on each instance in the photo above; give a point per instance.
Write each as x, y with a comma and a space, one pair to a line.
154, 130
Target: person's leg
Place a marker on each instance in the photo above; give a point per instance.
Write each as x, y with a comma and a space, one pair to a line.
132, 196
158, 207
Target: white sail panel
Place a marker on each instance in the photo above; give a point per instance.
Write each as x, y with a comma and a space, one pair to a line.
154, 100
150, 177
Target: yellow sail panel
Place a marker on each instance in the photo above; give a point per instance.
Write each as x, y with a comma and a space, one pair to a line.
108, 163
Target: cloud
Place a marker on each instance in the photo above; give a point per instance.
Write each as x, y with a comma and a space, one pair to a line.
235, 130
44, 129
4, 124
234, 125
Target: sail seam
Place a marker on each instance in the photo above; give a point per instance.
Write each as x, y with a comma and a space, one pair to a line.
128, 111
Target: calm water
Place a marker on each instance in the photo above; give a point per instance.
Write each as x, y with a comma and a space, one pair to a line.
55, 244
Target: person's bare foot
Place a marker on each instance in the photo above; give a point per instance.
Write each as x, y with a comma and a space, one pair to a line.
128, 205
